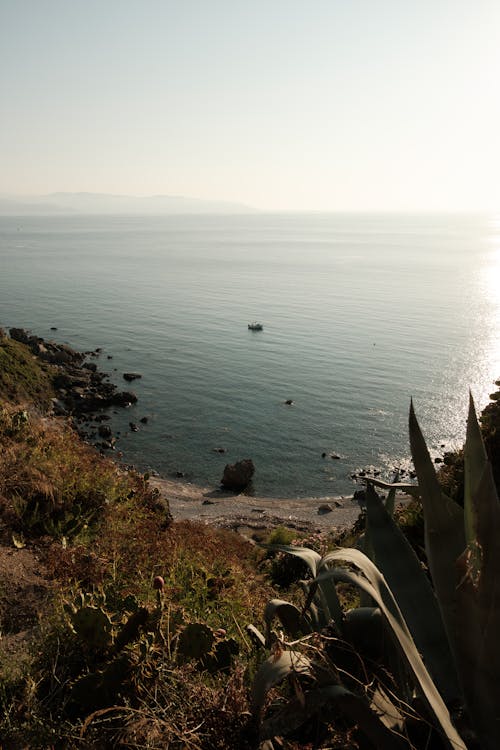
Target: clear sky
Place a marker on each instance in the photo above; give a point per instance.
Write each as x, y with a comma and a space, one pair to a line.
280, 104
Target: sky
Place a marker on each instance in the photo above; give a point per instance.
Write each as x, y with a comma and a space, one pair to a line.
322, 105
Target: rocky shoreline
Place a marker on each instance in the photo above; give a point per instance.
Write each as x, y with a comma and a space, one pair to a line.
85, 396
84, 393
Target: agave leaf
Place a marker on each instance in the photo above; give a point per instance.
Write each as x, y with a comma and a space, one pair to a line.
375, 585
290, 617
309, 556
412, 657
366, 546
444, 530
354, 706
274, 670
331, 604
256, 636
316, 614
364, 628
475, 459
408, 489
391, 501
328, 605
370, 571
317, 607
479, 602
385, 709
401, 568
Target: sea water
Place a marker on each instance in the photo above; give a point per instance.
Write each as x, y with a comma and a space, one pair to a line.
360, 313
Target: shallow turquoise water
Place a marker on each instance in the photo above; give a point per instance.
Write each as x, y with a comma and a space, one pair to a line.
360, 313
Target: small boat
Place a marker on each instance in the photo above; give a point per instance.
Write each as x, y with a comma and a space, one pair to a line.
255, 326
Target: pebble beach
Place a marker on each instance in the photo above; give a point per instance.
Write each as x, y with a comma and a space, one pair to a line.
245, 511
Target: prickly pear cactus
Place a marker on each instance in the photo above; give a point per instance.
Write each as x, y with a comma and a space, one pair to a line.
99, 689
93, 626
195, 640
130, 630
220, 659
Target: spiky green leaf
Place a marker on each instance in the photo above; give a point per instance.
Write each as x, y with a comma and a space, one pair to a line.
403, 572
274, 670
390, 501
375, 585
478, 595
309, 556
327, 603
288, 614
328, 701
475, 459
444, 531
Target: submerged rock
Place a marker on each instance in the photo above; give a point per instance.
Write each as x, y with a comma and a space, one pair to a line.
104, 431
124, 398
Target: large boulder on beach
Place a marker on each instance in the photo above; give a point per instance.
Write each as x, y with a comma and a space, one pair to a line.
237, 476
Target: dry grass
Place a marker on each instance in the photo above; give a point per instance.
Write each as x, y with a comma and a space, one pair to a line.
22, 376
49, 481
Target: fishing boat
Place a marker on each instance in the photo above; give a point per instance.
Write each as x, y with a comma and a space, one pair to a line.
255, 326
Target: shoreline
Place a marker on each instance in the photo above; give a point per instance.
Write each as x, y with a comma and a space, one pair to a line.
239, 512
85, 394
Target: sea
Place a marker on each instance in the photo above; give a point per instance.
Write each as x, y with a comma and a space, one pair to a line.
360, 313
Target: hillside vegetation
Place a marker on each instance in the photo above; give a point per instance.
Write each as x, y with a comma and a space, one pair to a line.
22, 377
82, 627
122, 628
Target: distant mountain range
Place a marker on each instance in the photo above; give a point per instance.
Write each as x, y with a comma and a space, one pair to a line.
102, 203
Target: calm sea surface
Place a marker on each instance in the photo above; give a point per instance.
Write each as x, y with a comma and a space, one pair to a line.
360, 313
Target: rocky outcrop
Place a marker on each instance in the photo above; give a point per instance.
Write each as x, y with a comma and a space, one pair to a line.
48, 351
237, 476
81, 388
83, 391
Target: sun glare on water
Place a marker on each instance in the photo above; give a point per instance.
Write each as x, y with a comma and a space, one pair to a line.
489, 289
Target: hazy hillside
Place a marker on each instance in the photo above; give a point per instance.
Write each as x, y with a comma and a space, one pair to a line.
101, 203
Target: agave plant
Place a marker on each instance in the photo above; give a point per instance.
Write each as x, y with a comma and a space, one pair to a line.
378, 716
445, 630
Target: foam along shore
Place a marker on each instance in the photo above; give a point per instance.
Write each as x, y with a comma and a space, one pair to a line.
239, 511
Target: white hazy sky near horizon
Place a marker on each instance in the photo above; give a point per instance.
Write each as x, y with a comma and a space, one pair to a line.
280, 104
